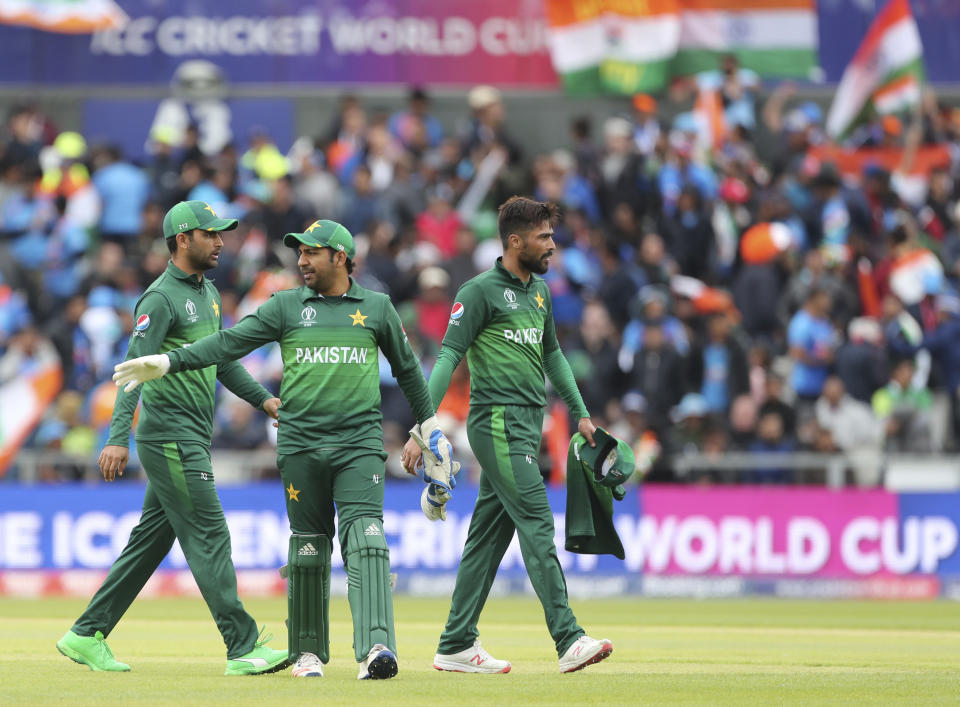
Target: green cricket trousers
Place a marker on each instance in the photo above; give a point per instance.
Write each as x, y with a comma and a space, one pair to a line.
512, 496
180, 502
322, 484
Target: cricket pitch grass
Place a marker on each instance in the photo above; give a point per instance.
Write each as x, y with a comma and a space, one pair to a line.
749, 651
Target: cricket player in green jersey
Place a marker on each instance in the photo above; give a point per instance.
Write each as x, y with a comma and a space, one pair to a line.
173, 441
503, 321
330, 442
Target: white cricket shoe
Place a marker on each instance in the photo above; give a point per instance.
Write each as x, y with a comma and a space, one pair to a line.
308, 666
584, 651
381, 663
472, 660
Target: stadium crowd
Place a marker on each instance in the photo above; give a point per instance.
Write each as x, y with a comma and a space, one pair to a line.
713, 291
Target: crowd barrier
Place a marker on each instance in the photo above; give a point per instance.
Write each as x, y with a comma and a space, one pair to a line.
678, 540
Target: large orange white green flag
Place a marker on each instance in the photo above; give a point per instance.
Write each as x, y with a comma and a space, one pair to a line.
626, 46
884, 76
66, 16
23, 401
772, 37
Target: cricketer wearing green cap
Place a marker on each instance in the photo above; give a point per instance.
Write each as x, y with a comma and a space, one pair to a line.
502, 321
188, 216
173, 442
330, 440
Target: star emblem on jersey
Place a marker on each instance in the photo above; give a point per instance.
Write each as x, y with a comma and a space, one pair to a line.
216, 309
294, 494
358, 318
539, 300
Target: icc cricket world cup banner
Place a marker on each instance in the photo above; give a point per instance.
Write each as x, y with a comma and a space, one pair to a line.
679, 541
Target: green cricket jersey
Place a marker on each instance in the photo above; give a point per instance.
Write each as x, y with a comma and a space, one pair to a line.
175, 311
505, 328
331, 375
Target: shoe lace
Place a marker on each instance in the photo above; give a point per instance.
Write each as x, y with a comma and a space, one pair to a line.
263, 638
102, 646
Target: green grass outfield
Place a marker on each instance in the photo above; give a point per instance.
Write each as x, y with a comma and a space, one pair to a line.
752, 651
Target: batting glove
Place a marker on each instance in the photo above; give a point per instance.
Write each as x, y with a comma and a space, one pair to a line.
140, 370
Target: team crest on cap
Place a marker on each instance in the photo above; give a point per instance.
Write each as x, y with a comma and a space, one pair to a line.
457, 311
143, 321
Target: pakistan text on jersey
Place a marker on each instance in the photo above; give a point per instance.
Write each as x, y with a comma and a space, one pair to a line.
331, 354
524, 336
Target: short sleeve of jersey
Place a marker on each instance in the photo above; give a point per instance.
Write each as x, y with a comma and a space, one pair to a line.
468, 316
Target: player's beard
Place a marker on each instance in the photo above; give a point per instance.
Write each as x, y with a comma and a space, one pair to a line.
201, 261
535, 264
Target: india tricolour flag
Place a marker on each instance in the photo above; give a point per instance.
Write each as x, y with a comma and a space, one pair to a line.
23, 401
67, 16
771, 37
626, 46
613, 45
886, 73
642, 41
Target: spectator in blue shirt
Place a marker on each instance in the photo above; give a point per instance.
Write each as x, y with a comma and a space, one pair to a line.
812, 343
124, 189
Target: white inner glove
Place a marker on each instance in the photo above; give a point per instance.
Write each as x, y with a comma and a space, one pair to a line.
130, 374
438, 465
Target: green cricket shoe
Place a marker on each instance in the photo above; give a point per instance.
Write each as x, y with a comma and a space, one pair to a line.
91, 651
260, 660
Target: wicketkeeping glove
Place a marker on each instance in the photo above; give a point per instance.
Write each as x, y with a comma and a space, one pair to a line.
140, 370
438, 465
433, 500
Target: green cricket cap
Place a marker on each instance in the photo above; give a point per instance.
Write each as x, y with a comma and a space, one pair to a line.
611, 461
188, 215
324, 234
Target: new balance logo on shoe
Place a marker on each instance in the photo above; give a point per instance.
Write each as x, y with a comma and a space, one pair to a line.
372, 529
307, 549
578, 650
478, 659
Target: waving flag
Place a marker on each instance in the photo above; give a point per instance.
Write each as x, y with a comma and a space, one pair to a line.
66, 16
886, 73
23, 400
628, 47
771, 37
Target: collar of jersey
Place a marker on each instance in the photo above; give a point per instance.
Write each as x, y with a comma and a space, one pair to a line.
355, 292
181, 275
513, 278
